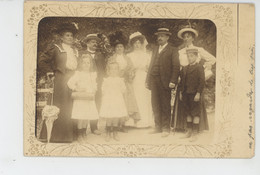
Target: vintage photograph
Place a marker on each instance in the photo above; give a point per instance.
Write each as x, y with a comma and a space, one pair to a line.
114, 80
130, 79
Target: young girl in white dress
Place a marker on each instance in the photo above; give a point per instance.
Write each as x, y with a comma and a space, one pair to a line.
113, 106
84, 86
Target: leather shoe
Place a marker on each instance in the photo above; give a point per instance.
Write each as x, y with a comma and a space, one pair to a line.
187, 135
165, 134
123, 129
97, 132
155, 131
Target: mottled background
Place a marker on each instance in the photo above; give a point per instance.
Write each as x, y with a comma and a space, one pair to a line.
206, 39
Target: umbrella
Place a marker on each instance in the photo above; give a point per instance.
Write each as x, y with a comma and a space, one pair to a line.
50, 112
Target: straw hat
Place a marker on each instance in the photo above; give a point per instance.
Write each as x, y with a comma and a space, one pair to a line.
163, 31
187, 28
135, 36
192, 50
92, 36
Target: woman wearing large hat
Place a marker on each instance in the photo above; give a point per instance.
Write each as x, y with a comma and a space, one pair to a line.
119, 42
188, 34
141, 60
62, 60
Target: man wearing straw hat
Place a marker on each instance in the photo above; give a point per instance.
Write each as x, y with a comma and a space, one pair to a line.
162, 77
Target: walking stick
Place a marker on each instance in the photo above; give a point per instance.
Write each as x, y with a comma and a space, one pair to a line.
175, 114
173, 97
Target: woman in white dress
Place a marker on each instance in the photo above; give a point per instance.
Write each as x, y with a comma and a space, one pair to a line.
140, 60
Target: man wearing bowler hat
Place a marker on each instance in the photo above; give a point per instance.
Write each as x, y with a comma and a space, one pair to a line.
90, 42
162, 77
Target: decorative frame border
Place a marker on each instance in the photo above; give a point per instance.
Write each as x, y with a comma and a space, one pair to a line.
225, 17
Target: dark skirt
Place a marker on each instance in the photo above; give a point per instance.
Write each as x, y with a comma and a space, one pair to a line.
178, 114
62, 131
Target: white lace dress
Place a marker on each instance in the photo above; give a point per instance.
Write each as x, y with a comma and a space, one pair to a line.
113, 102
141, 61
84, 109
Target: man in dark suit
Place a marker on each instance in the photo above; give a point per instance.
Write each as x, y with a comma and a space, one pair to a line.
91, 42
162, 77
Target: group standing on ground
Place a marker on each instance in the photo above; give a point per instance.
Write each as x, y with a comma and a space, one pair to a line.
133, 89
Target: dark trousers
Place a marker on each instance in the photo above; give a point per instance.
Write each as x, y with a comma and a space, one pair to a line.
191, 107
93, 125
161, 104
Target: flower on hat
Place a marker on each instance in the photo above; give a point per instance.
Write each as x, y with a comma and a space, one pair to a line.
76, 25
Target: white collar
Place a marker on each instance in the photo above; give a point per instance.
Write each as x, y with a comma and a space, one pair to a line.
90, 51
163, 46
66, 46
193, 63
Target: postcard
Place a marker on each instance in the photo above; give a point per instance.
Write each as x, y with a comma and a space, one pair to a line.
139, 79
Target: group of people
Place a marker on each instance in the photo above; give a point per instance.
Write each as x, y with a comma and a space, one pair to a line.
127, 89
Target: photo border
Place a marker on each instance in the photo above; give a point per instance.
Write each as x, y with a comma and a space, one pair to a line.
226, 18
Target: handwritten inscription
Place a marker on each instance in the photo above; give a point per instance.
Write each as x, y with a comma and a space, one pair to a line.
250, 95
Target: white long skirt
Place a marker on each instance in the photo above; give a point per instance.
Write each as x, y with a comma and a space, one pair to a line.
143, 99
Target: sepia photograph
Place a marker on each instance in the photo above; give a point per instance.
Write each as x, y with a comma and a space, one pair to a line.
129, 87
128, 79
134, 81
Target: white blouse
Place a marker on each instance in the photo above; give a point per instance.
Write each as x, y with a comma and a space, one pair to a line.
140, 59
71, 57
120, 59
83, 80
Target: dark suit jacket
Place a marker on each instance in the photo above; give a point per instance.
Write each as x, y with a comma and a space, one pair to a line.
54, 60
192, 79
169, 65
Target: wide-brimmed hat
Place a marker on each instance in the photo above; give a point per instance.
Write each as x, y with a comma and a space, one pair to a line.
192, 50
117, 38
187, 28
165, 31
136, 35
66, 27
92, 36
